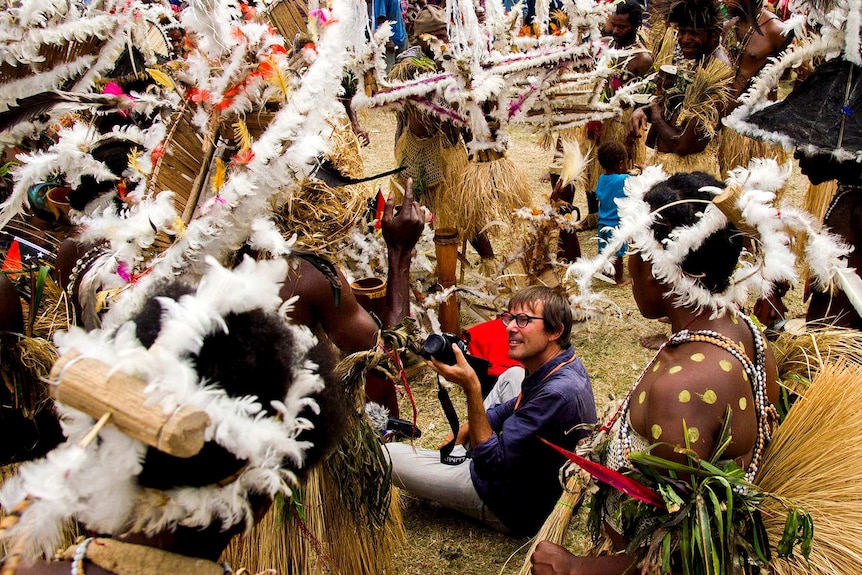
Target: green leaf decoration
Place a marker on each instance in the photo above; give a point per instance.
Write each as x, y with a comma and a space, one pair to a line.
711, 523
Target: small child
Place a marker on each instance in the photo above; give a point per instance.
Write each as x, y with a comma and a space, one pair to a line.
613, 160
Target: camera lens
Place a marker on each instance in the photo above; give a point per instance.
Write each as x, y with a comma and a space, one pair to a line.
433, 346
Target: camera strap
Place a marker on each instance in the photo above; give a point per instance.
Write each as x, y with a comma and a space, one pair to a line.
446, 456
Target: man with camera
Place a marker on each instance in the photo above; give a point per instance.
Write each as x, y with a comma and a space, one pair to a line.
509, 480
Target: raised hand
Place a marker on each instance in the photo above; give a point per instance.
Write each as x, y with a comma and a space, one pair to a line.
402, 228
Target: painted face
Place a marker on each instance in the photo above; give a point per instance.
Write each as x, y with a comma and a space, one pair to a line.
695, 43
529, 344
176, 39
622, 30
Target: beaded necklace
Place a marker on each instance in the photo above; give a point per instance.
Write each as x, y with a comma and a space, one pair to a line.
843, 190
756, 371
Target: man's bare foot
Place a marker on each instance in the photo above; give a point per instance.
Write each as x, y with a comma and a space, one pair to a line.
624, 282
654, 341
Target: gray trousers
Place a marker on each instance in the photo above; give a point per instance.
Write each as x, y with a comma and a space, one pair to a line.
420, 472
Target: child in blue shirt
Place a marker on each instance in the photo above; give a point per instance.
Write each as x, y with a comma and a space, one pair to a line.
613, 160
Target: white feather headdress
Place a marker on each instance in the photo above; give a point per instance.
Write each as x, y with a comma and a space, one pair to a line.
756, 274
97, 484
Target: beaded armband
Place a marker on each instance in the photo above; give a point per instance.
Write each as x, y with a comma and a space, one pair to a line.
81, 266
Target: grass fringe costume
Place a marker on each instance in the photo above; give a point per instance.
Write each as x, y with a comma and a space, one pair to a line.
435, 162
704, 91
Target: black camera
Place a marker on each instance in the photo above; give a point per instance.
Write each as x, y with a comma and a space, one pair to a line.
439, 346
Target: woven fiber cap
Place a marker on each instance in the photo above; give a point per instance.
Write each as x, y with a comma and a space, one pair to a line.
430, 20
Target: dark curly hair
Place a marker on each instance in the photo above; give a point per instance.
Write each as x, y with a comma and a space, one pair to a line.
699, 14
254, 356
716, 258
633, 10
612, 155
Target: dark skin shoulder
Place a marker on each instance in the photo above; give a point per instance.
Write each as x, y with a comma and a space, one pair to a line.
348, 325
759, 47
695, 383
660, 404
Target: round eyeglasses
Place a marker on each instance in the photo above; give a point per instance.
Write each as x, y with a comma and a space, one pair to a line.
521, 319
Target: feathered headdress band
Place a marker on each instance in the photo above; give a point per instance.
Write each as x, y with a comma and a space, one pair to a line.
772, 231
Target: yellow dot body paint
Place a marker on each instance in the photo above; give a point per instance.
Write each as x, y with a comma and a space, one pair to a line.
693, 434
641, 397
697, 357
684, 396
656, 431
743, 403
725, 365
709, 397
675, 369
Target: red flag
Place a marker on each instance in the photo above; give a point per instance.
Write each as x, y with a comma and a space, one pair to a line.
378, 210
12, 263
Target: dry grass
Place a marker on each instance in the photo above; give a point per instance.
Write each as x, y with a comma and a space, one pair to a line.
440, 541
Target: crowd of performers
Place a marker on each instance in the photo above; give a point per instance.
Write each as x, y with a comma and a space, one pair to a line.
202, 362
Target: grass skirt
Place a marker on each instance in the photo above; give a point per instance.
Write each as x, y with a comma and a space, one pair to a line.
489, 191
735, 149
705, 161
812, 463
340, 532
437, 158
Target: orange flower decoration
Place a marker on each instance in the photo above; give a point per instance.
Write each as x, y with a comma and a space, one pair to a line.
197, 95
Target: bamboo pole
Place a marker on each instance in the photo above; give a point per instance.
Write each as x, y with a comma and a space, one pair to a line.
446, 247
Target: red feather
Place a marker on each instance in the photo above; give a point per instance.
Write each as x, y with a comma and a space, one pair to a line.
613, 478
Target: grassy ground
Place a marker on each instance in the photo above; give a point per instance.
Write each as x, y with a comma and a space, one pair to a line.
440, 541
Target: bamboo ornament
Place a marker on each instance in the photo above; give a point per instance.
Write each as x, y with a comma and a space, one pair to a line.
726, 201
446, 246
91, 386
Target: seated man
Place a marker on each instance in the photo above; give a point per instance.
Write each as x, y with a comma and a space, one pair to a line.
510, 481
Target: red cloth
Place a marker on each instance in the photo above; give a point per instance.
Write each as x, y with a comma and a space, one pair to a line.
489, 341
12, 262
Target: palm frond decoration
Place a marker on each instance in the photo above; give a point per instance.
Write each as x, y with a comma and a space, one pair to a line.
162, 79
706, 96
134, 157
664, 54
274, 75
219, 176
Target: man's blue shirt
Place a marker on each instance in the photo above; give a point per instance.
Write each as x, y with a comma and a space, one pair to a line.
514, 473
